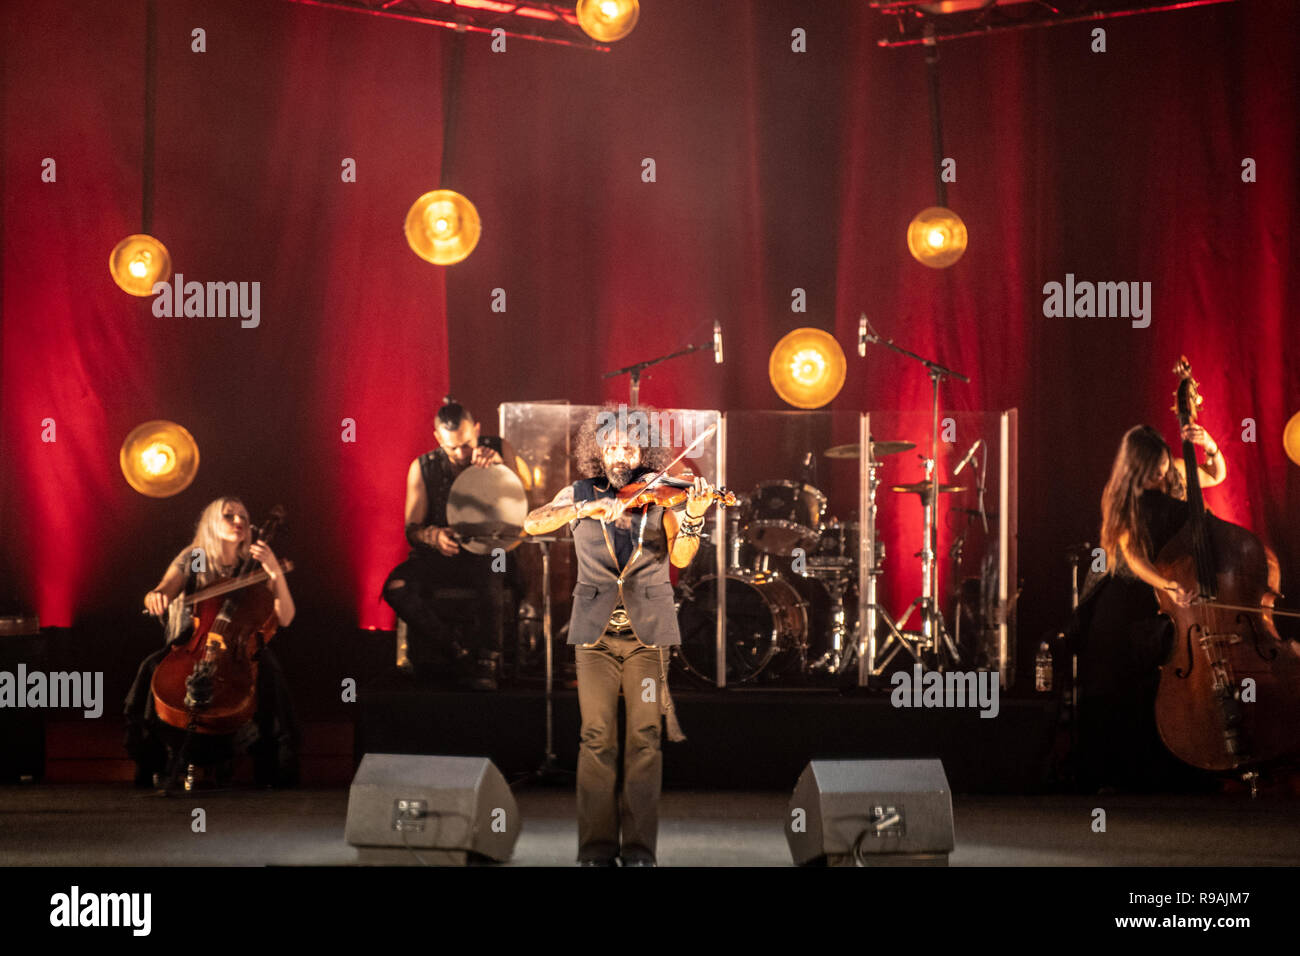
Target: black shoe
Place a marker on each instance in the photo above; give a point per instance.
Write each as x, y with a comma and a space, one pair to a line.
639, 859
598, 863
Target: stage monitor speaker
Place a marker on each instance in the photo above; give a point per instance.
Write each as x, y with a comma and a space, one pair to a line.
22, 729
871, 813
459, 807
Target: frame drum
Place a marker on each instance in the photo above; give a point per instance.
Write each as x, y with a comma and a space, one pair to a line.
486, 509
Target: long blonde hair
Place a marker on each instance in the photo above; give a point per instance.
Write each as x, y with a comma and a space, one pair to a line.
1136, 464
207, 539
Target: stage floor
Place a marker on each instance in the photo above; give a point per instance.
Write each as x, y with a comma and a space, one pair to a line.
116, 825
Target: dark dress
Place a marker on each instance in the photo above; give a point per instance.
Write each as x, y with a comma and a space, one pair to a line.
1123, 642
272, 738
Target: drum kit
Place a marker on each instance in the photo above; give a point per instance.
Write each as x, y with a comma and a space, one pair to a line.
792, 579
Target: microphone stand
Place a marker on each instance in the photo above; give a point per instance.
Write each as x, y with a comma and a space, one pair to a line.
549, 770
639, 367
932, 625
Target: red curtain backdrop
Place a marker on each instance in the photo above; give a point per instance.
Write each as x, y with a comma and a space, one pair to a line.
774, 171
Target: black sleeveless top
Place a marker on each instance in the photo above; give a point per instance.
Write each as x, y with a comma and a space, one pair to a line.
1162, 517
439, 474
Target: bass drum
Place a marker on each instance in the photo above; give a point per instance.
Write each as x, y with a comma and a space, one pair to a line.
765, 618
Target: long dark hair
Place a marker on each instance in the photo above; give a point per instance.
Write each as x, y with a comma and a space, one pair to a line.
587, 445
1136, 463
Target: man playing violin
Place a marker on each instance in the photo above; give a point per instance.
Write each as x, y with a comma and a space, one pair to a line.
420, 588
623, 621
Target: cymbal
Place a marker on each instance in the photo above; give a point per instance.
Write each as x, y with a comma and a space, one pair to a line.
878, 449
921, 487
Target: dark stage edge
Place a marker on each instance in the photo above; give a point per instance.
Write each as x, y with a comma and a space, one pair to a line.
746, 739
116, 825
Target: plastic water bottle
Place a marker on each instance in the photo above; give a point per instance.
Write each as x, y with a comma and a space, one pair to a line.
1043, 668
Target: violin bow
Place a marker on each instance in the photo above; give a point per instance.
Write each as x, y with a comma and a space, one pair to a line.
685, 451
1257, 609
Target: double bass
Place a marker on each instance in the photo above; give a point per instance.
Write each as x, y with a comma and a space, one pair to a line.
1229, 694
207, 684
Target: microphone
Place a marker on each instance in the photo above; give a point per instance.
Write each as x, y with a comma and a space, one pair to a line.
862, 335
717, 342
969, 455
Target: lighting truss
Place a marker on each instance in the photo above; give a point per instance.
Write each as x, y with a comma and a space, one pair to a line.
913, 22
523, 19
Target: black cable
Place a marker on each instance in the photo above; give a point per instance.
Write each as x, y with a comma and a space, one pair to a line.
150, 98
450, 109
936, 127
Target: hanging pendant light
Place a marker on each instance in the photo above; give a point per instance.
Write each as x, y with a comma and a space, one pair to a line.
807, 368
442, 227
137, 262
1291, 438
936, 237
159, 459
140, 260
607, 20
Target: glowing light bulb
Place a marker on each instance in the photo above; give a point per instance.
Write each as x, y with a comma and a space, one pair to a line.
158, 459
936, 237
442, 227
808, 366
607, 20
137, 262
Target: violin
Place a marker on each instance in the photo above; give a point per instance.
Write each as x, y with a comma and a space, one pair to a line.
668, 492
1229, 694
208, 683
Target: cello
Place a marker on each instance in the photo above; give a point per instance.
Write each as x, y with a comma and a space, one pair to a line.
1229, 693
207, 684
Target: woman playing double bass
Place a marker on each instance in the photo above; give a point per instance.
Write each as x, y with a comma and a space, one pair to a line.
1124, 638
221, 542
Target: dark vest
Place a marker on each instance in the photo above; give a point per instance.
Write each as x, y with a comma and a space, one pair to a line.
643, 584
439, 474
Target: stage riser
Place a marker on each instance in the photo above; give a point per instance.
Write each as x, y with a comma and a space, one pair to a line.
736, 740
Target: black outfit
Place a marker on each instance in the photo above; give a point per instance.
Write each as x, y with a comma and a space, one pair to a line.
455, 607
272, 738
623, 622
1123, 642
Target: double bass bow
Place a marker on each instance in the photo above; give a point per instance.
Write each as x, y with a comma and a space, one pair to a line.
1229, 695
208, 683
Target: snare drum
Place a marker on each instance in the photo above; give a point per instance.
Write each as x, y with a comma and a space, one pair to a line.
765, 617
784, 515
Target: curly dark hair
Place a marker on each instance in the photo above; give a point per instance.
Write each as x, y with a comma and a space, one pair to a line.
587, 445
